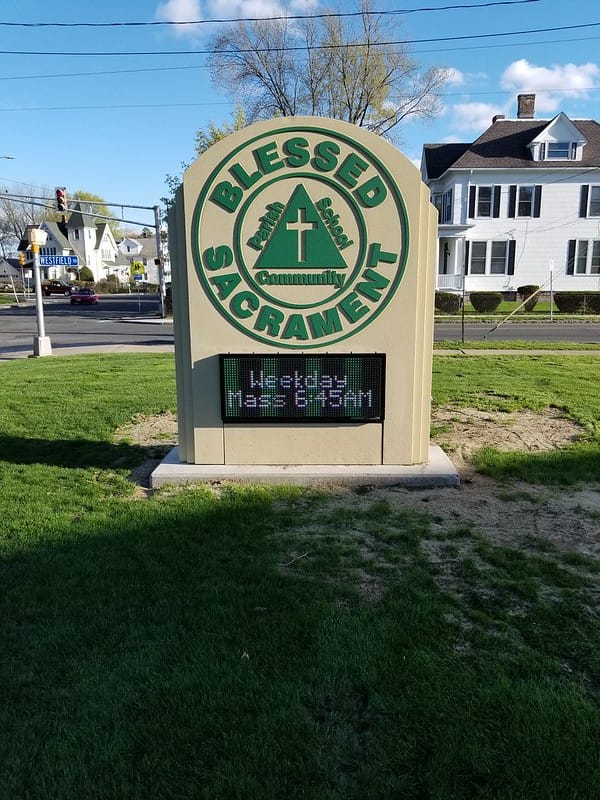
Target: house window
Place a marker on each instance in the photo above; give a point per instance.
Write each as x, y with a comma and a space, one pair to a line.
595, 260
498, 260
492, 258
583, 257
484, 201
525, 201
447, 207
558, 150
589, 201
76, 234
478, 258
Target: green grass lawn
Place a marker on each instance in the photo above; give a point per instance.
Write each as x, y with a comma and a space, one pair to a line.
271, 643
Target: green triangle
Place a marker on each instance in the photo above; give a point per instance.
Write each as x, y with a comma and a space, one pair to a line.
300, 240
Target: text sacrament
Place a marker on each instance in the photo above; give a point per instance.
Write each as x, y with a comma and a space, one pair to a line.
300, 237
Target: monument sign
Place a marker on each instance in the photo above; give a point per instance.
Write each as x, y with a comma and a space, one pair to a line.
303, 279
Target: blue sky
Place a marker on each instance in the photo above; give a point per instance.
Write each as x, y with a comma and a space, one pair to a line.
117, 134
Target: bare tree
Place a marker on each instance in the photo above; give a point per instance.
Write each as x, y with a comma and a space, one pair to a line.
17, 214
353, 70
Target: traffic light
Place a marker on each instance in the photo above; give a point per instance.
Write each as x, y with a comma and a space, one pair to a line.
22, 258
61, 198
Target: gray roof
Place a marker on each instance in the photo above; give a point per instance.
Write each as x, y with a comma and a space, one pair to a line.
80, 219
504, 146
55, 229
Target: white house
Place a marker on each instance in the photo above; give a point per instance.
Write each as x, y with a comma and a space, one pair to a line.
519, 205
143, 249
95, 245
81, 236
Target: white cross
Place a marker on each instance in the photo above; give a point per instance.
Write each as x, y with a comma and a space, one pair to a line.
301, 225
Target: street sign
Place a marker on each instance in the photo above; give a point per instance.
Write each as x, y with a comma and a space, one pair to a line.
137, 277
59, 261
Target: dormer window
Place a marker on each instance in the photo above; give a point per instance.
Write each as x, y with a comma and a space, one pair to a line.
560, 140
558, 151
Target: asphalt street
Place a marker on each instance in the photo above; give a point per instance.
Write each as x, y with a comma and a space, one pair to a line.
133, 323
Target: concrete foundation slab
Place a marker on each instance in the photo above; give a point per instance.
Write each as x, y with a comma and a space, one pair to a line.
438, 471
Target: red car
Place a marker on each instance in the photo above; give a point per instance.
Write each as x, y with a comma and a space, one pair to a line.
87, 296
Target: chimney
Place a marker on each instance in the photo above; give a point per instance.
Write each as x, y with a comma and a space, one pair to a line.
497, 117
525, 106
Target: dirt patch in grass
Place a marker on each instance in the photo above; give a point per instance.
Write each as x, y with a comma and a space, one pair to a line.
159, 434
520, 514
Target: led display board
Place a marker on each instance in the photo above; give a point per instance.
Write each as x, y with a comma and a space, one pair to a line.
302, 388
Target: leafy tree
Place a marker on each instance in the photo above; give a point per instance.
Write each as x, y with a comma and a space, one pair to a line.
348, 70
204, 138
96, 205
86, 274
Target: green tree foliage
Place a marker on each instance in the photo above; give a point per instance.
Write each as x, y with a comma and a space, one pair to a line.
86, 274
205, 138
96, 205
350, 69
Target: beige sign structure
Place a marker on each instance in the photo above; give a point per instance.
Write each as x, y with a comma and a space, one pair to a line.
303, 254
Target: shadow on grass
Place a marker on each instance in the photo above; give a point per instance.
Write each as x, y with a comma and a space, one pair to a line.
159, 650
73, 453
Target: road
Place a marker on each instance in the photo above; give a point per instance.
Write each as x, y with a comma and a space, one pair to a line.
576, 332
117, 321
121, 321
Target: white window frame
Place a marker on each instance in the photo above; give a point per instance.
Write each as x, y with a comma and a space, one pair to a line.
594, 190
569, 147
530, 201
587, 257
478, 201
491, 260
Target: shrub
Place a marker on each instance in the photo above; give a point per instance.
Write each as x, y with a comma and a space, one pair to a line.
86, 275
448, 302
485, 301
106, 286
569, 302
528, 293
592, 302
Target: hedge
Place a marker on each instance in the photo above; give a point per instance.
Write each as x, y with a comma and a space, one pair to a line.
578, 302
448, 302
485, 301
528, 293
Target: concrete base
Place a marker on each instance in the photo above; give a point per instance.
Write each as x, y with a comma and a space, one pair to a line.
42, 346
438, 471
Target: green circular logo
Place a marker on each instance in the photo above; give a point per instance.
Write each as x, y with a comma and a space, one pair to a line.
300, 237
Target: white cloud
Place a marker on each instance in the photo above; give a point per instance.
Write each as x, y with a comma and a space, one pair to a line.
551, 84
192, 10
225, 9
474, 116
455, 76
179, 11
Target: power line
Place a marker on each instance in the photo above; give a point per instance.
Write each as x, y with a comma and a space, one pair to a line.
139, 70
297, 48
108, 107
155, 23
